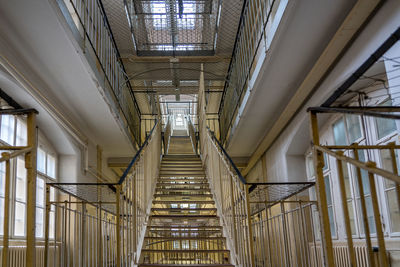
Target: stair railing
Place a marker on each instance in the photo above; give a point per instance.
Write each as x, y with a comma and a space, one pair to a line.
229, 189
103, 224
167, 135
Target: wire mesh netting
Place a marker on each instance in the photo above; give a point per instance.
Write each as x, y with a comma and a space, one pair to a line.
267, 194
91, 192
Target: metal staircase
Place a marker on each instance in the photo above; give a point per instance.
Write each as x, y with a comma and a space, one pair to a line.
183, 229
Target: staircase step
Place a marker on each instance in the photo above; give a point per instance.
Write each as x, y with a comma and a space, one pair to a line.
185, 251
180, 265
183, 189
183, 209
184, 216
169, 202
184, 238
183, 195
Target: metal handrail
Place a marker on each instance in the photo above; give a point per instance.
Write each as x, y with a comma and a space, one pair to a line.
239, 175
137, 155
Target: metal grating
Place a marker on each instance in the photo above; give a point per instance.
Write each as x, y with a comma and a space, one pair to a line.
267, 194
174, 27
88, 192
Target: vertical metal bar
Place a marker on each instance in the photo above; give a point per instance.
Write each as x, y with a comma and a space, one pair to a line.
352, 256
364, 212
326, 236
395, 171
250, 237
378, 224
83, 235
30, 165
46, 229
285, 236
118, 226
6, 223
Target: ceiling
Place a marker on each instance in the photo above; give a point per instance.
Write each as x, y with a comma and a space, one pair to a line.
168, 42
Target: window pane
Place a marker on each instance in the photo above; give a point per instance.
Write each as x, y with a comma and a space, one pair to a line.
7, 129
19, 225
387, 165
339, 133
346, 180
332, 221
310, 166
1, 215
393, 211
21, 133
353, 127
51, 224
385, 127
370, 215
39, 222
20, 192
40, 192
2, 178
328, 190
351, 216
51, 166
41, 161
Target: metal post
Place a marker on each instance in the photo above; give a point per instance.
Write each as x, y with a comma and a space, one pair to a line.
99, 224
377, 217
285, 237
364, 213
83, 235
118, 225
6, 223
395, 170
252, 259
46, 229
30, 165
342, 187
326, 235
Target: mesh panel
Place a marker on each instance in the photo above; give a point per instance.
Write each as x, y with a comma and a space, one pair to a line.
270, 193
91, 193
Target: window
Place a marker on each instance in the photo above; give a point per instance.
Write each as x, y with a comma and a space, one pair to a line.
7, 129
13, 131
20, 198
384, 127
313, 196
347, 130
2, 192
390, 191
159, 15
367, 197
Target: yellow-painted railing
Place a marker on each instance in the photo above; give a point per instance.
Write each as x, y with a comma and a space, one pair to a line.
103, 224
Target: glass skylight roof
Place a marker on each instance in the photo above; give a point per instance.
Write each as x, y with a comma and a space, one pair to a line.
173, 25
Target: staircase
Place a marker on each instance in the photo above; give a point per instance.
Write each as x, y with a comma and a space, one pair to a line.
184, 228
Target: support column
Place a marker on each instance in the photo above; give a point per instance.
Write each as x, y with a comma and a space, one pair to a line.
30, 165
6, 223
326, 235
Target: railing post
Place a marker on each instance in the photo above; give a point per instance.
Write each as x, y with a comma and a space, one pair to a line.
83, 235
326, 236
342, 187
47, 226
285, 237
30, 165
377, 217
395, 171
251, 241
6, 223
118, 225
364, 212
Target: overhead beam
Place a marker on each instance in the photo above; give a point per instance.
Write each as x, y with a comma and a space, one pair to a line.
354, 23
